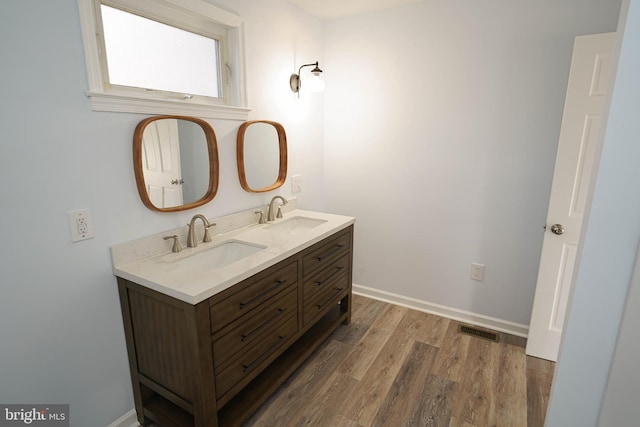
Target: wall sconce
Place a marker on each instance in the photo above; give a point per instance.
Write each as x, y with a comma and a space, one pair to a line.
316, 84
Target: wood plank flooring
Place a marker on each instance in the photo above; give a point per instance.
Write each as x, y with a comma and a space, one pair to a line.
393, 366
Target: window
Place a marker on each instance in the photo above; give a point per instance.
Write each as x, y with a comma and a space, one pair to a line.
148, 54
179, 57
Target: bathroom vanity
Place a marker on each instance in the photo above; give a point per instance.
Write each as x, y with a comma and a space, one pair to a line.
208, 345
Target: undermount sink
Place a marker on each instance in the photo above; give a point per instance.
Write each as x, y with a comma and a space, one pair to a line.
220, 255
295, 225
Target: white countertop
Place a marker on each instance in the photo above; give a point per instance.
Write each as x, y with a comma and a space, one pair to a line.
148, 262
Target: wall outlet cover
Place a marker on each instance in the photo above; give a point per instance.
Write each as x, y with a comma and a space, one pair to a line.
477, 271
81, 225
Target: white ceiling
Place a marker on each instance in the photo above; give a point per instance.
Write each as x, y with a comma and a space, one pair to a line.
330, 9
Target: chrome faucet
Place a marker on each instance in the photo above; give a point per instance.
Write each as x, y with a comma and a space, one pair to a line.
192, 242
271, 215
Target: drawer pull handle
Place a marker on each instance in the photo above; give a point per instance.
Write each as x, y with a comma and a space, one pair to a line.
278, 283
264, 355
263, 324
337, 292
331, 252
320, 282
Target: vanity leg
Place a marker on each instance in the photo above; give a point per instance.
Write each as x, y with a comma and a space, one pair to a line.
345, 307
128, 329
204, 405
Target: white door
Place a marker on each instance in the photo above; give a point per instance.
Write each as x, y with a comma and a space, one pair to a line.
161, 163
583, 108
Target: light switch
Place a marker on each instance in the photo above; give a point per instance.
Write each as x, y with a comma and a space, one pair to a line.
296, 183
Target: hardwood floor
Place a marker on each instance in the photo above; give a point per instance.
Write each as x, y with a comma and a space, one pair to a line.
393, 366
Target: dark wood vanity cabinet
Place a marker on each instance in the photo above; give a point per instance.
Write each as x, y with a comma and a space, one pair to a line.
216, 362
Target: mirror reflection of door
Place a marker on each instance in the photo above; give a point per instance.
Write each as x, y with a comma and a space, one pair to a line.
161, 163
194, 161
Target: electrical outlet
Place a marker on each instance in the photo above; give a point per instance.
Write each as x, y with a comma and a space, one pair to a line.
296, 183
477, 272
81, 225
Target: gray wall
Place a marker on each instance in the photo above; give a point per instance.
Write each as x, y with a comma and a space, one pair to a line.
442, 123
620, 403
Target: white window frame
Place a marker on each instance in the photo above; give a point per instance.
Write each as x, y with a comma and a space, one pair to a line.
192, 15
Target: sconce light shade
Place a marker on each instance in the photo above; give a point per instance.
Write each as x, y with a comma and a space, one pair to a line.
316, 84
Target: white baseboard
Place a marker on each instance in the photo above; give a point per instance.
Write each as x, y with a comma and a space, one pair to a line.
441, 310
129, 419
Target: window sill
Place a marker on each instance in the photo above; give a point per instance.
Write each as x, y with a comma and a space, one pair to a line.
131, 104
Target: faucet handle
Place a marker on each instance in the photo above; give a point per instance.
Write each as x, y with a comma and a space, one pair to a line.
261, 219
207, 236
176, 243
279, 214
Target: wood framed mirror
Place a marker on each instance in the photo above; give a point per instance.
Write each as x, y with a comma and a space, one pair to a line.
262, 155
175, 161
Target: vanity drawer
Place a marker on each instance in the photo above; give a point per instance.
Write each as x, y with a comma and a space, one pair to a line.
243, 333
325, 277
324, 299
326, 252
255, 292
253, 360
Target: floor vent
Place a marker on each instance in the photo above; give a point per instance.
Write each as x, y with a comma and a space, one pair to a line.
487, 335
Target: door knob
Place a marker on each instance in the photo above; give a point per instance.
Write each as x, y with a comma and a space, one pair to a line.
557, 229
